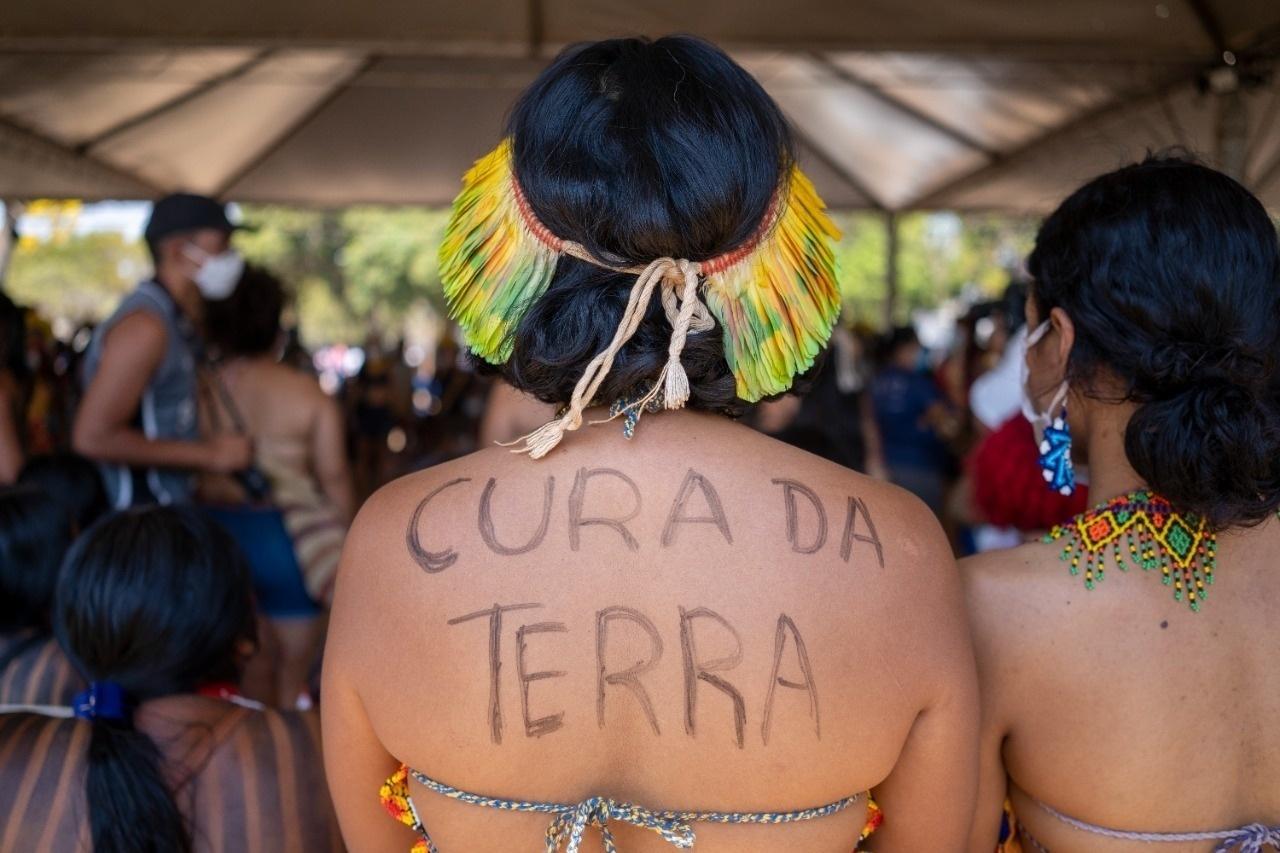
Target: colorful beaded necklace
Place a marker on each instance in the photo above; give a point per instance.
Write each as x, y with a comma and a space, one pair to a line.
1156, 535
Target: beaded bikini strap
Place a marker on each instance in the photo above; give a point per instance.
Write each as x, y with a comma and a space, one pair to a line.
571, 821
1247, 839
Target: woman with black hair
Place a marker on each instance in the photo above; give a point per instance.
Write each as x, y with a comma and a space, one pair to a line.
697, 632
35, 532
909, 410
294, 537
1121, 713
154, 607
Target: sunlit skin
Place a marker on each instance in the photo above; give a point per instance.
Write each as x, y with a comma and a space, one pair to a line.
11, 454
297, 428
887, 645
1086, 703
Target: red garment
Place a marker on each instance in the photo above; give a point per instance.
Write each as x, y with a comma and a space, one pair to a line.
224, 690
1008, 486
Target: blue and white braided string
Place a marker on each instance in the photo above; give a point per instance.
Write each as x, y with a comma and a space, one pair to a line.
571, 821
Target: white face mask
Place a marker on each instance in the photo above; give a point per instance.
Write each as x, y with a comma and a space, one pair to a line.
1039, 420
218, 274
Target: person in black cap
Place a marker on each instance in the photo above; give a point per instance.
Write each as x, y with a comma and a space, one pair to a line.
138, 416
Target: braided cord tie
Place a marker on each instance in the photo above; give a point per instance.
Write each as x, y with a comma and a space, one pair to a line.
1246, 839
568, 827
570, 822
677, 283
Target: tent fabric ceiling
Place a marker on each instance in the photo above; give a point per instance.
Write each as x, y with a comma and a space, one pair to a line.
983, 104
1169, 30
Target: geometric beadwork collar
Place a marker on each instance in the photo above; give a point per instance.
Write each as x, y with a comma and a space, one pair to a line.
1152, 533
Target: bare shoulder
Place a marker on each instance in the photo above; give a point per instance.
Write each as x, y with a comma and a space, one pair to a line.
908, 537
307, 403
1015, 598
142, 330
891, 548
900, 512
398, 498
383, 534
62, 738
25, 726
299, 730
301, 385
41, 755
1012, 585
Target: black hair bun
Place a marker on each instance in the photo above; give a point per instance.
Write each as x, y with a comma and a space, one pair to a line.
1212, 447
1170, 273
638, 149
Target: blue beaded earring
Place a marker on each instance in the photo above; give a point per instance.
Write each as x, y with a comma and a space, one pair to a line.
1055, 455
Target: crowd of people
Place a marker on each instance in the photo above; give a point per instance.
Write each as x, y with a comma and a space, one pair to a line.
719, 590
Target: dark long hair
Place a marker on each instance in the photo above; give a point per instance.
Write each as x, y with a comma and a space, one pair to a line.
1170, 273
638, 149
34, 532
71, 480
155, 600
247, 322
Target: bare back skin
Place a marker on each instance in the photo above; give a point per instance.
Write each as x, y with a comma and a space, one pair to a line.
247, 780
1121, 707
699, 619
294, 422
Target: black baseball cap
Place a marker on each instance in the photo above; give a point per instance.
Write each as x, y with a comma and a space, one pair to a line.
180, 212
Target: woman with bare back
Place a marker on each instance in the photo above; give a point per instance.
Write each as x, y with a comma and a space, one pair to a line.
621, 644
1122, 714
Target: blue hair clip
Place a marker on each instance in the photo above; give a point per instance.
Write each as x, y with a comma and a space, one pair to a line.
104, 700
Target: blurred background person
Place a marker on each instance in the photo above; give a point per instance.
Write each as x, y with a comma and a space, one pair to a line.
138, 415
294, 531
1005, 490
460, 388
833, 416
1001, 497
155, 609
14, 386
373, 419
35, 532
828, 412
509, 414
911, 414
995, 394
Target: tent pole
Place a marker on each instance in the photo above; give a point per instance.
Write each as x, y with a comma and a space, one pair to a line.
890, 268
1232, 134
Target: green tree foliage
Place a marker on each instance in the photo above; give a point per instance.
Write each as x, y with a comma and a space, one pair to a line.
79, 278
355, 272
363, 270
940, 255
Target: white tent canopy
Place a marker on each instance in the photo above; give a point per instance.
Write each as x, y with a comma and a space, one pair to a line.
967, 104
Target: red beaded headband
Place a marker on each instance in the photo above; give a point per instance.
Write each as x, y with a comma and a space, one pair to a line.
712, 266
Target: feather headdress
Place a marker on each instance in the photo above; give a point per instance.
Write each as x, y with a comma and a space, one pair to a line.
775, 297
